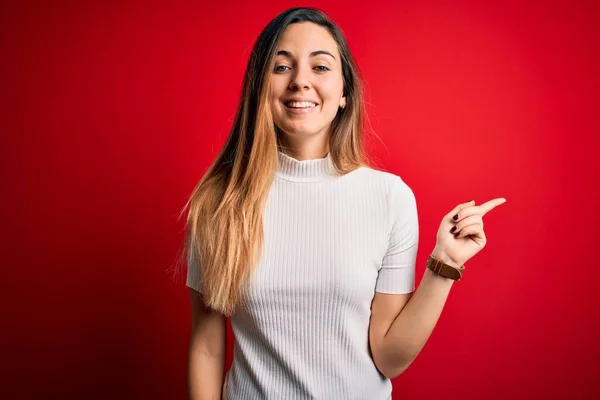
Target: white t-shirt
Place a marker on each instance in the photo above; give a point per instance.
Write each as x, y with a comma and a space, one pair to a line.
331, 241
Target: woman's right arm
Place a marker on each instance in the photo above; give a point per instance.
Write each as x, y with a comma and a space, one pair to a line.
206, 351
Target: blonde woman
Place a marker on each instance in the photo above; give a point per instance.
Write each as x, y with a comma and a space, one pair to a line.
306, 247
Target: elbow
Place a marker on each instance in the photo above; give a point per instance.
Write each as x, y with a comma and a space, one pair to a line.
394, 371
393, 367
393, 358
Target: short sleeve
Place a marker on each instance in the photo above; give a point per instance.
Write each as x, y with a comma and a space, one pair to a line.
193, 271
397, 272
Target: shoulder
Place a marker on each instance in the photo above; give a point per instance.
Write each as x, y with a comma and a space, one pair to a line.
389, 183
398, 196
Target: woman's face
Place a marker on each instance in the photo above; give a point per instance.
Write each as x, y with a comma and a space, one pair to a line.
306, 83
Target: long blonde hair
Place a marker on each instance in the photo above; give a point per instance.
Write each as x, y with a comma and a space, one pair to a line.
224, 229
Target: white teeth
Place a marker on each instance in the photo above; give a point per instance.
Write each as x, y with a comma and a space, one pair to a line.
300, 104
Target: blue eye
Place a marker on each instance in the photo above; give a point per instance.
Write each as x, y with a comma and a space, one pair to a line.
278, 68
323, 68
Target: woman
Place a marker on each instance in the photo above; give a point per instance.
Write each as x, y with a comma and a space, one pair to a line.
307, 248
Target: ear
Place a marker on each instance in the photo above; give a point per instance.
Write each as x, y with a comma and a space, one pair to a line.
343, 102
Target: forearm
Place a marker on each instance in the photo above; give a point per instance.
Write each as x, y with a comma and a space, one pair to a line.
413, 326
205, 375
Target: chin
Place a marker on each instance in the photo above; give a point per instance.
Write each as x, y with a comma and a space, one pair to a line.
305, 131
300, 129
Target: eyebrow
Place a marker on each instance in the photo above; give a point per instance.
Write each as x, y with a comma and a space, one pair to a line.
286, 53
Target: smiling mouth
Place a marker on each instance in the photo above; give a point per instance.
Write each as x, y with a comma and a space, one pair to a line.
299, 105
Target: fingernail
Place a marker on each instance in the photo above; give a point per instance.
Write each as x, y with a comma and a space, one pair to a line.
453, 229
455, 217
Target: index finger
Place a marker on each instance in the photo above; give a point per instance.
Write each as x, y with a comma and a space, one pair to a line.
491, 204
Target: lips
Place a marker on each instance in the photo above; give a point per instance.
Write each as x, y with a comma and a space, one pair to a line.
299, 104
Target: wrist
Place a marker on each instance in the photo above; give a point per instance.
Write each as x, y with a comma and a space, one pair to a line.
441, 264
440, 255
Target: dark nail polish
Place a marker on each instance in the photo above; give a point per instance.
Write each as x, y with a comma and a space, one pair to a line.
453, 229
455, 217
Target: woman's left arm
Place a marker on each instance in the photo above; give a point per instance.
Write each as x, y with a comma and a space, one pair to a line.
401, 324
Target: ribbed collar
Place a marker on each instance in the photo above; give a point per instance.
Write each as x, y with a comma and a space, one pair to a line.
306, 170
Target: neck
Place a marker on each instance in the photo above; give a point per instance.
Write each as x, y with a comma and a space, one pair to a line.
310, 170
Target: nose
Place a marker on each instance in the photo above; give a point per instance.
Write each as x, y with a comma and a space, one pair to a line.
300, 80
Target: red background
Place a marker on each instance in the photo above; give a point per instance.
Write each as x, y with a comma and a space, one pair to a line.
111, 112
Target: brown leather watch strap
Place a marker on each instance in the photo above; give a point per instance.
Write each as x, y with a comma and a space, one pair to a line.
440, 268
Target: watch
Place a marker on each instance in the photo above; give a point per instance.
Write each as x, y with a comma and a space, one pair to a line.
440, 268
